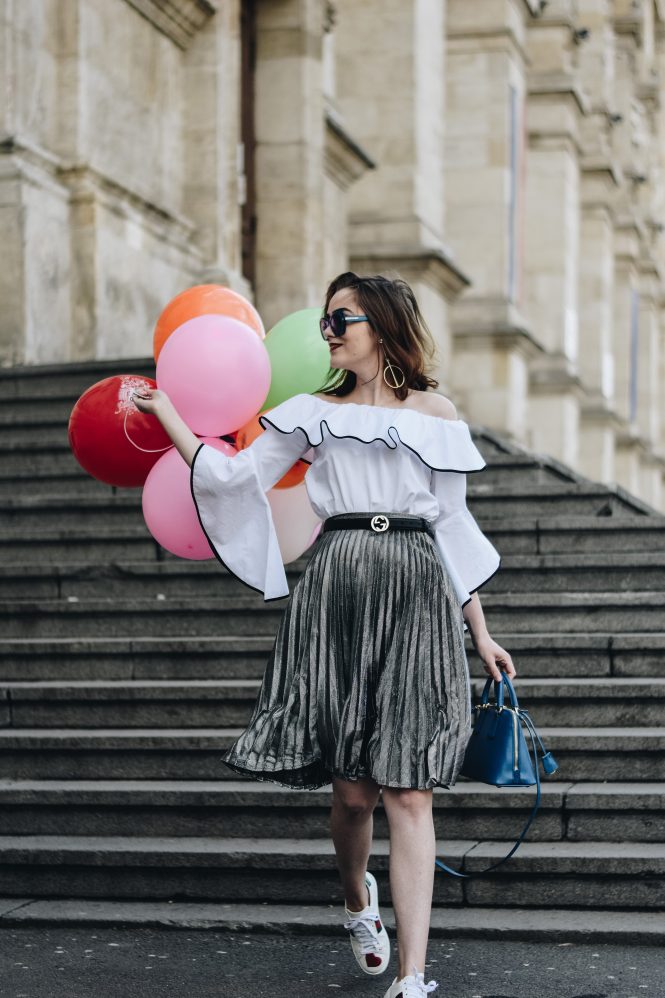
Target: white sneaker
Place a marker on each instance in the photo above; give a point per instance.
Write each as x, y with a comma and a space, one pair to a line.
369, 939
412, 986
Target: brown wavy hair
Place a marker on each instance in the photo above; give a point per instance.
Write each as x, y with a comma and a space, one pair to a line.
392, 310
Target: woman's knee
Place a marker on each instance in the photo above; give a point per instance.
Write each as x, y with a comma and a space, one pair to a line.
407, 804
356, 798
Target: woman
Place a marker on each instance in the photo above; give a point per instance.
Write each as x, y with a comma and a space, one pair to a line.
367, 685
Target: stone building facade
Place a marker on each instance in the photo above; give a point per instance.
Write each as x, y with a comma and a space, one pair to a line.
504, 156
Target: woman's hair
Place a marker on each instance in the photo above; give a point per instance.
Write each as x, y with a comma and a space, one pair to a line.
393, 313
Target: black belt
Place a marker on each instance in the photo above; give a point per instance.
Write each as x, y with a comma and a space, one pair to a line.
379, 522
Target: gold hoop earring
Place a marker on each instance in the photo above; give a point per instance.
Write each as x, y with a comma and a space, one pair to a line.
391, 367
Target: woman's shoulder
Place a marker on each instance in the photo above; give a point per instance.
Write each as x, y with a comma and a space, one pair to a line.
434, 404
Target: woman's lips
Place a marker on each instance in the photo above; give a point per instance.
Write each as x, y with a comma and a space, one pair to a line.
336, 347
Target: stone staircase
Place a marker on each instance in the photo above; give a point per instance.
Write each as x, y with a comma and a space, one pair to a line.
124, 673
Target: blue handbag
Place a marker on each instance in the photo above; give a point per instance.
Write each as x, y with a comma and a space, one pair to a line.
497, 754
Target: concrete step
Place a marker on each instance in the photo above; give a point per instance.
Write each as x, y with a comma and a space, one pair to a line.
35, 410
540, 654
636, 571
614, 701
597, 571
607, 875
20, 462
67, 379
576, 535
171, 578
580, 811
511, 498
97, 546
194, 753
41, 513
261, 809
563, 926
251, 614
76, 483
606, 702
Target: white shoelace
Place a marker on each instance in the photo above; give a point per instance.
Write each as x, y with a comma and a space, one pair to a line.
363, 928
415, 987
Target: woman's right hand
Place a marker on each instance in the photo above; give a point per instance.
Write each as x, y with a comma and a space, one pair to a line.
151, 400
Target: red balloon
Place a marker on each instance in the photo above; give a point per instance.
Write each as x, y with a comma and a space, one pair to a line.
100, 424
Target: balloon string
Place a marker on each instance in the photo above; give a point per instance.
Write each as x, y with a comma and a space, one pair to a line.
146, 450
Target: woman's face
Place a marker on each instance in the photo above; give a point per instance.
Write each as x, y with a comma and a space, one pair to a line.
358, 344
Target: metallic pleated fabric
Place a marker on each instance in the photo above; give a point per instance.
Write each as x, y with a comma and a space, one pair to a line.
368, 675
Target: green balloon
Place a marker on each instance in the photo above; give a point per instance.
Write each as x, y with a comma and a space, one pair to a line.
299, 356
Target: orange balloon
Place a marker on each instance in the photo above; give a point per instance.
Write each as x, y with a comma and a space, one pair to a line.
204, 299
249, 432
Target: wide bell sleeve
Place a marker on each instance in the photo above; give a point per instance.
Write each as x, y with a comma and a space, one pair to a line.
230, 498
469, 556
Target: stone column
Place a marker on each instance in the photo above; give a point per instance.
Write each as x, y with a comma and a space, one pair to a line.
626, 331
345, 159
555, 107
649, 388
600, 178
485, 189
596, 315
639, 149
34, 209
390, 69
289, 156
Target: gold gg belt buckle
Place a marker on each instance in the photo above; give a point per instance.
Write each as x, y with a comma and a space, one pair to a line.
379, 523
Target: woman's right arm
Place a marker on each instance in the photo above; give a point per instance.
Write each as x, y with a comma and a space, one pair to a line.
157, 403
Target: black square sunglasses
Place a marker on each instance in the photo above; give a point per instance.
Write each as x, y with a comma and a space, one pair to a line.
338, 321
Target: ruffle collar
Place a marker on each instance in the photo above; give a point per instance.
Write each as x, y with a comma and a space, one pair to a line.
441, 444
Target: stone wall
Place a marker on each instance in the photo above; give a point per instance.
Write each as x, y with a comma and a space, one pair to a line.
118, 171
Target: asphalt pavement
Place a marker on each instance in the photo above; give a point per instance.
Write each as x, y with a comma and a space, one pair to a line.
136, 962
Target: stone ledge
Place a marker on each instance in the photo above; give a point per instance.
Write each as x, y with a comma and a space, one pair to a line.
179, 20
549, 925
558, 85
345, 159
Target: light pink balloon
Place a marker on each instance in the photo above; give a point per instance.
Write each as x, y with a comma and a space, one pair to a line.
168, 507
294, 519
315, 533
216, 371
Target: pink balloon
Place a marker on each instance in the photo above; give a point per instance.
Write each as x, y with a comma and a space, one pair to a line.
216, 371
168, 507
315, 533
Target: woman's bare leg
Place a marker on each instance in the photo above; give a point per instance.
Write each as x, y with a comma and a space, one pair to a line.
351, 825
412, 854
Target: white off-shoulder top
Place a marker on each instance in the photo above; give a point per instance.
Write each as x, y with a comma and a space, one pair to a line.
362, 458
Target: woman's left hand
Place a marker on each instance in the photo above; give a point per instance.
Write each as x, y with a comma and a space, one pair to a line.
495, 659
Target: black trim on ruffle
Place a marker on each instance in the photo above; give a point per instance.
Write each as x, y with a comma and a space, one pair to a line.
270, 599
459, 471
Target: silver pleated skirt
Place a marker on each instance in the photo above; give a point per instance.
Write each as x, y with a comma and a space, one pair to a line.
368, 675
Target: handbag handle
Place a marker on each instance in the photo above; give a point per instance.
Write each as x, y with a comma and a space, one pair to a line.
549, 766
499, 686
